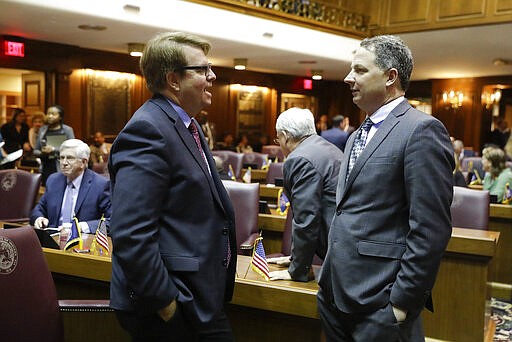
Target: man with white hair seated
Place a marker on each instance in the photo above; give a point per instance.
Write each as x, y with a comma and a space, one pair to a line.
74, 191
310, 179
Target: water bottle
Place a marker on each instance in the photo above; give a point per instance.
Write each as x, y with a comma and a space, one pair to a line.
64, 234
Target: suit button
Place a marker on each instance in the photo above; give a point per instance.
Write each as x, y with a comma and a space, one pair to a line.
338, 212
225, 231
225, 262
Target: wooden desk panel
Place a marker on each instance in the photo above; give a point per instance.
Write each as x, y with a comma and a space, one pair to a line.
288, 309
500, 271
272, 226
269, 193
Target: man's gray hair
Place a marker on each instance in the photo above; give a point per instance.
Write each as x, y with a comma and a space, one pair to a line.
297, 122
391, 52
82, 150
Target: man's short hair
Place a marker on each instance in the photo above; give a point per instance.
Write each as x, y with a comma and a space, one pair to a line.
297, 122
391, 52
164, 53
82, 150
337, 120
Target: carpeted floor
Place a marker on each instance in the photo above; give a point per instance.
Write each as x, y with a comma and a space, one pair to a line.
502, 314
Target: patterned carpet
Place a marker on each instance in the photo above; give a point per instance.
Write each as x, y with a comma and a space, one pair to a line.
502, 315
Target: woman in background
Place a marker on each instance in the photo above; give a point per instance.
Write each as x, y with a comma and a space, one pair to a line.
497, 175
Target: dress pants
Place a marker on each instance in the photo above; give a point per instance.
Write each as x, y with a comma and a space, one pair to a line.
152, 328
380, 325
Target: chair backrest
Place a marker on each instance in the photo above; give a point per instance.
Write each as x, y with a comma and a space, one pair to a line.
18, 194
30, 310
259, 159
245, 198
477, 164
273, 151
231, 158
101, 168
470, 208
275, 170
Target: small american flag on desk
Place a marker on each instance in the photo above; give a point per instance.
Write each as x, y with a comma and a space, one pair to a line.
99, 245
259, 260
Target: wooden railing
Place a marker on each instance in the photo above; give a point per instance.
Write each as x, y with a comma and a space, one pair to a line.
315, 14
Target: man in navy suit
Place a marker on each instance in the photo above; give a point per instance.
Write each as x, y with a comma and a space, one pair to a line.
336, 135
172, 226
392, 220
87, 192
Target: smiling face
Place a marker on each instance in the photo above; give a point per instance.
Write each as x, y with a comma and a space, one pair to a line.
367, 81
192, 85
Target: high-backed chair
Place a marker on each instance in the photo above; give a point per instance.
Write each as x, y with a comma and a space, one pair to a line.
18, 194
30, 309
275, 170
231, 158
101, 168
273, 151
258, 159
477, 164
470, 208
245, 198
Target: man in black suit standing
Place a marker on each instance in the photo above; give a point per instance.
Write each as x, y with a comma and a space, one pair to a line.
392, 221
172, 227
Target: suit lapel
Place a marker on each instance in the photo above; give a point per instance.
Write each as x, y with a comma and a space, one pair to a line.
385, 128
85, 186
59, 191
190, 143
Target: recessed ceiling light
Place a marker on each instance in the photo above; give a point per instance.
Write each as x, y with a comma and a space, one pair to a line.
131, 9
268, 35
87, 27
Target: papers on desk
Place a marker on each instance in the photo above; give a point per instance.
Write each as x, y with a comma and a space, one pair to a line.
12, 157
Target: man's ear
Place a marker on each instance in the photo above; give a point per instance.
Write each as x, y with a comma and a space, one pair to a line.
392, 77
172, 81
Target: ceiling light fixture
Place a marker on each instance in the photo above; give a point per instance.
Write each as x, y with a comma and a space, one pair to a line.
87, 27
316, 74
135, 49
501, 62
240, 63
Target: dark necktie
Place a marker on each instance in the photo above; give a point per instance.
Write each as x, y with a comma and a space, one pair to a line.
359, 143
193, 129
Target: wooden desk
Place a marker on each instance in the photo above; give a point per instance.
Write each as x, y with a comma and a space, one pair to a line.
257, 175
269, 193
500, 272
272, 226
286, 311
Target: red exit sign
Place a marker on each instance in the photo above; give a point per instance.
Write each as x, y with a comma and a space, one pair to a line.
14, 49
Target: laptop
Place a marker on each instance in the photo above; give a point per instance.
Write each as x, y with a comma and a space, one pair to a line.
55, 140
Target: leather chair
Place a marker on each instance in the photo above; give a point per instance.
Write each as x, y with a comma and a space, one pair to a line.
245, 198
18, 194
275, 170
101, 168
30, 309
470, 208
231, 158
273, 151
477, 164
259, 159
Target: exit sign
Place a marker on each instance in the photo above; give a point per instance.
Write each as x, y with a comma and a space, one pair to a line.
14, 49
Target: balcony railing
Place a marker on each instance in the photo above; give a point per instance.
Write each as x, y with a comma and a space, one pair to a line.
314, 14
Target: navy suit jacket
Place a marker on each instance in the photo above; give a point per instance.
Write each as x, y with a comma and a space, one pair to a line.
92, 202
171, 219
392, 221
336, 136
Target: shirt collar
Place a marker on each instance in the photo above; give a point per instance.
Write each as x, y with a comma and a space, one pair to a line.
382, 113
182, 114
78, 180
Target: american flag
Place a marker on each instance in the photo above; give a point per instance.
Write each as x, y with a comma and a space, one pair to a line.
100, 243
259, 260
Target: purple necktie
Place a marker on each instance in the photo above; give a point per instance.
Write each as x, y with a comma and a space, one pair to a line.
193, 129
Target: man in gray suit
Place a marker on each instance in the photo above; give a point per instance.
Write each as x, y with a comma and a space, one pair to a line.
310, 175
392, 220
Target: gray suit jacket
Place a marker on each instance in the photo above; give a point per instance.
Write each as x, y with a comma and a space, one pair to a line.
310, 177
392, 221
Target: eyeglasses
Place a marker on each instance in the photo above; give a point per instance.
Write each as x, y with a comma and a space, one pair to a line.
70, 159
206, 69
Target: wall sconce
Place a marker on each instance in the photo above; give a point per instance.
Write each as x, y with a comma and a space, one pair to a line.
135, 49
453, 98
316, 75
240, 63
490, 99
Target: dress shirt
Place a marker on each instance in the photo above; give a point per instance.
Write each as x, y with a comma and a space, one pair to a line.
84, 227
380, 115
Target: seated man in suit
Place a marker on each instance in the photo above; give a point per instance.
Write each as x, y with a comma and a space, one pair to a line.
74, 191
310, 179
99, 149
336, 135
